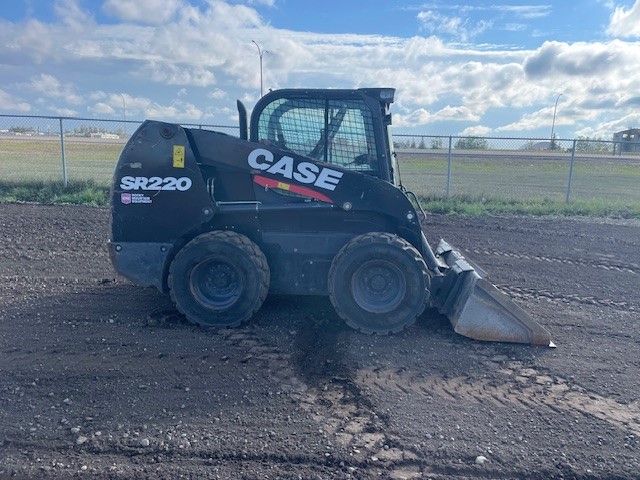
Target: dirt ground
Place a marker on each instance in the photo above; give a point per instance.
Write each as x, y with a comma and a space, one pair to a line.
101, 379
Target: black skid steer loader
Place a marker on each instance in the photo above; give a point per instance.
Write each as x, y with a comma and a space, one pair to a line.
306, 201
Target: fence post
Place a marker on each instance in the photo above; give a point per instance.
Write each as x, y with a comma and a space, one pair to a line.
449, 170
573, 156
64, 162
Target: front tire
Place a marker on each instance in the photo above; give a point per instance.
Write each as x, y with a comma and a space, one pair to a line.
378, 283
219, 279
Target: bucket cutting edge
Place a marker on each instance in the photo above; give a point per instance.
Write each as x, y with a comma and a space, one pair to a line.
477, 309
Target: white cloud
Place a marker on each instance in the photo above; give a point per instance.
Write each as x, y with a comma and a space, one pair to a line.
72, 15
44, 42
63, 112
581, 59
516, 11
527, 122
458, 113
51, 87
625, 23
476, 131
31, 39
151, 12
217, 94
98, 95
268, 3
7, 102
605, 129
514, 27
457, 27
101, 108
178, 111
542, 118
143, 107
172, 74
420, 116
525, 11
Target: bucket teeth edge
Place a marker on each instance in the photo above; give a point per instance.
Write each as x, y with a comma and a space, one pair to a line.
477, 309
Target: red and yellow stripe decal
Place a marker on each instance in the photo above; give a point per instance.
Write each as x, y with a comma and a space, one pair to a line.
306, 192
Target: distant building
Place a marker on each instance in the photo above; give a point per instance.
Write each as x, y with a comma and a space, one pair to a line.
539, 146
627, 141
104, 135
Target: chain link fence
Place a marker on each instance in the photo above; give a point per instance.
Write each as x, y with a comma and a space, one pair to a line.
518, 168
65, 149
39, 148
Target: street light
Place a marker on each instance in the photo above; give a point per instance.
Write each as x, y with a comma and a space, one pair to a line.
261, 54
124, 109
124, 114
553, 124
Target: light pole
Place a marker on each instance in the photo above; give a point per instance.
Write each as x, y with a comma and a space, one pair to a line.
553, 123
261, 54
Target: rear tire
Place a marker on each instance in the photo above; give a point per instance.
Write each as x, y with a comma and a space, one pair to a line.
378, 283
219, 279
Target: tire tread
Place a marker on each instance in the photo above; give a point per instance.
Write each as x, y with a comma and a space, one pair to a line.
368, 239
241, 242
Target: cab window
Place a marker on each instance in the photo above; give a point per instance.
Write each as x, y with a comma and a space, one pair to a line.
339, 132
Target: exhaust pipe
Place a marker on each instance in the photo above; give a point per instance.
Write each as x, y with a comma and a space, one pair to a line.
476, 308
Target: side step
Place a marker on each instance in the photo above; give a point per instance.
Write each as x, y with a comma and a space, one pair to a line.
476, 308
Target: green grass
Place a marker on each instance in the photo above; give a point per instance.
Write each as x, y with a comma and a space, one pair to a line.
88, 192
473, 206
77, 192
27, 160
525, 179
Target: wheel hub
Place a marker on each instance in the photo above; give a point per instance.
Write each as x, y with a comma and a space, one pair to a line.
378, 286
220, 277
215, 283
378, 280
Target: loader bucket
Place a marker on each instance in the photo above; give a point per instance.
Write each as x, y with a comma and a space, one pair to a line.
476, 308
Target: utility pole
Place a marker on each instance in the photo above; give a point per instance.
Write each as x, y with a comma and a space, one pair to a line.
261, 53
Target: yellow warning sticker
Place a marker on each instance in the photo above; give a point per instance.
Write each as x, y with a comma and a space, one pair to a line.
283, 186
178, 156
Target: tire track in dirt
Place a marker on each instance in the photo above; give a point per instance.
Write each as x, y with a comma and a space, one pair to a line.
569, 228
617, 266
527, 389
334, 401
342, 414
62, 249
64, 279
563, 298
160, 458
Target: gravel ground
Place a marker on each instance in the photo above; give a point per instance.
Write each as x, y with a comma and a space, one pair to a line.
102, 379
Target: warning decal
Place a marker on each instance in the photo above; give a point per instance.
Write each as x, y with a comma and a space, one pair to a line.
178, 156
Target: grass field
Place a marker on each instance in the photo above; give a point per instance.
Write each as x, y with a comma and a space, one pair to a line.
28, 159
499, 175
481, 181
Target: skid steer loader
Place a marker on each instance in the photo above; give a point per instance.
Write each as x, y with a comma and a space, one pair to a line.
306, 201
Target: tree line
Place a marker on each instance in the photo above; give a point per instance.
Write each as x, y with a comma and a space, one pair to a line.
583, 144
437, 143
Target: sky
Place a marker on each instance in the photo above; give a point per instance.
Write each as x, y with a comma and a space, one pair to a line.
487, 68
